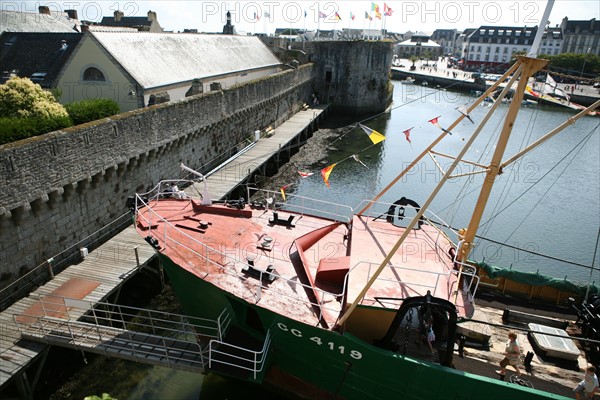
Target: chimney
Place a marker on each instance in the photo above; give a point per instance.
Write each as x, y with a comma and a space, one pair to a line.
72, 13
151, 16
44, 10
85, 28
118, 15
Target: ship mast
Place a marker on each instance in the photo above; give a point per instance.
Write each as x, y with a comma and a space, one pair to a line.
531, 64
527, 66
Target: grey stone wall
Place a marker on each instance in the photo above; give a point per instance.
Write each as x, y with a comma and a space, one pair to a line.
353, 76
58, 188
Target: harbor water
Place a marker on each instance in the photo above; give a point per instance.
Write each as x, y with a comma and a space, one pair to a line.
558, 214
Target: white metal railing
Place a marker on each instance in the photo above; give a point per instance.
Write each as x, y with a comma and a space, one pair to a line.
233, 266
131, 318
224, 353
418, 283
304, 205
466, 272
114, 341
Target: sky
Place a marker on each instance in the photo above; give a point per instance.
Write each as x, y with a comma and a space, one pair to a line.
264, 16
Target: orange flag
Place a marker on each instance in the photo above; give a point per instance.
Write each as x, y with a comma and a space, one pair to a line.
325, 172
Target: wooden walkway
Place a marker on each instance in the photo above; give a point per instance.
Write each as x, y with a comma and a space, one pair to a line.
226, 179
104, 270
94, 279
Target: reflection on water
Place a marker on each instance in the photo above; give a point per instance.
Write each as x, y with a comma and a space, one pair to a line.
558, 215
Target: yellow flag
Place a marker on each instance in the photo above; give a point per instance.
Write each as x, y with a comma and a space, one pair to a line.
375, 136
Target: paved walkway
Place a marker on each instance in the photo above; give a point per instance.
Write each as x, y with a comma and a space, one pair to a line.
443, 72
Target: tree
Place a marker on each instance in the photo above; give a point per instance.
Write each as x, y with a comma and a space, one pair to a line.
27, 110
21, 98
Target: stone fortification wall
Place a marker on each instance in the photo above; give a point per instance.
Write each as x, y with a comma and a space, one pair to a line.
58, 188
353, 76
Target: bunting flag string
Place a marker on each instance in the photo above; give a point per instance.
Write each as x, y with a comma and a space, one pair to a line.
325, 172
282, 190
463, 110
407, 134
305, 174
375, 136
355, 157
435, 122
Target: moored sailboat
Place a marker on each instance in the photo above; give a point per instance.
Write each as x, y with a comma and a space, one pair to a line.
327, 301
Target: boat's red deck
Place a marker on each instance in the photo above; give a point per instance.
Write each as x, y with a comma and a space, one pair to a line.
219, 252
421, 264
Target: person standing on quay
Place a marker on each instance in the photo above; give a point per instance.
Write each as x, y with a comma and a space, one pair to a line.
512, 355
588, 386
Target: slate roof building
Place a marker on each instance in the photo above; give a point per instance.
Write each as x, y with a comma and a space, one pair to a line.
132, 68
143, 24
37, 56
447, 39
493, 46
581, 36
418, 45
43, 21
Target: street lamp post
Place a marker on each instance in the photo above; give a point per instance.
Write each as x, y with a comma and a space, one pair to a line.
584, 61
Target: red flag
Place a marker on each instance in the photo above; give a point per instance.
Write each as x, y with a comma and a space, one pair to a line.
387, 10
407, 134
305, 174
325, 172
436, 123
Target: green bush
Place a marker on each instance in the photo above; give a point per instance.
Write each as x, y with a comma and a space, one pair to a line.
28, 110
91, 110
13, 129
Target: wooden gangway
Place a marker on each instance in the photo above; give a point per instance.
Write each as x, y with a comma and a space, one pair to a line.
102, 273
112, 330
98, 276
281, 138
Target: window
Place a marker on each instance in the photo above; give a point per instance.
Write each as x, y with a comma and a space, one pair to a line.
496, 58
508, 32
497, 50
482, 32
472, 49
500, 32
506, 50
527, 33
478, 48
491, 32
507, 41
93, 74
518, 33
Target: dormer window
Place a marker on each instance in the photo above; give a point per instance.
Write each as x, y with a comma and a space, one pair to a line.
491, 32
93, 74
